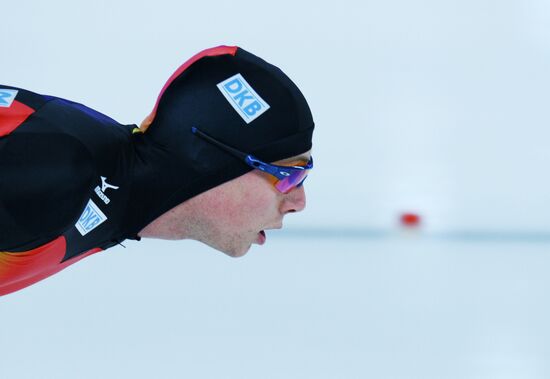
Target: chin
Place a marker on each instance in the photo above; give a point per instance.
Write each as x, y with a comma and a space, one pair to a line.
237, 253
229, 249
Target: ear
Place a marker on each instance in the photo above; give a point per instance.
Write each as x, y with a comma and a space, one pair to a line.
146, 123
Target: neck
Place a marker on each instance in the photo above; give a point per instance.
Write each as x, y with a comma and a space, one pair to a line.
155, 184
171, 225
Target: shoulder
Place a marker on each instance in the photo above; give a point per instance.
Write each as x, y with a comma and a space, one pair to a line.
45, 183
45, 173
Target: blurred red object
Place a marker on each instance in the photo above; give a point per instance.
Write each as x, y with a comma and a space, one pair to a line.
410, 220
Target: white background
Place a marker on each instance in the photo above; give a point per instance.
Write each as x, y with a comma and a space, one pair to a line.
434, 107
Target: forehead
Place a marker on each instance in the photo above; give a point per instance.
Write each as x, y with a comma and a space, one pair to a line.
304, 157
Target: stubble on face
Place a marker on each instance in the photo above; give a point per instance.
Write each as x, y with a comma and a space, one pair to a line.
228, 217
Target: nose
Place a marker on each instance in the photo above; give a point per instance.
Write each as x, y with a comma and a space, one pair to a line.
294, 201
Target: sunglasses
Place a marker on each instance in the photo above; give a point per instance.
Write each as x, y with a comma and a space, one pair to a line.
284, 178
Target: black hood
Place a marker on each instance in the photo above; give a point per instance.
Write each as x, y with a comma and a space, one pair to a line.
231, 95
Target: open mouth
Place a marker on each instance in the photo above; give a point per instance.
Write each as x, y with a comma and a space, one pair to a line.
261, 237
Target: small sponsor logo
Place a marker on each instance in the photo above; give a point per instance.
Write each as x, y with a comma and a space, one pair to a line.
242, 97
101, 191
7, 96
102, 196
105, 185
90, 219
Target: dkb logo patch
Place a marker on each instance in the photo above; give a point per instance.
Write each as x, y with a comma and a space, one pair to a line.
91, 218
242, 97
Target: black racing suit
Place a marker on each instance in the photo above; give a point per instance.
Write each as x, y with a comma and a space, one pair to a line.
74, 182
65, 185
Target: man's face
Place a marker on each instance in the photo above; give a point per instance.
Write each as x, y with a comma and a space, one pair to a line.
236, 214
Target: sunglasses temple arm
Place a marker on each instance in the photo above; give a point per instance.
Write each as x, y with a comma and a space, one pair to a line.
223, 146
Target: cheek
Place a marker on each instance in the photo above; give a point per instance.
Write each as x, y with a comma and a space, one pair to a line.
248, 203
234, 212
256, 206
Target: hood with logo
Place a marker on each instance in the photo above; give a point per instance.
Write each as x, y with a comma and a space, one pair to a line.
74, 182
68, 170
235, 97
